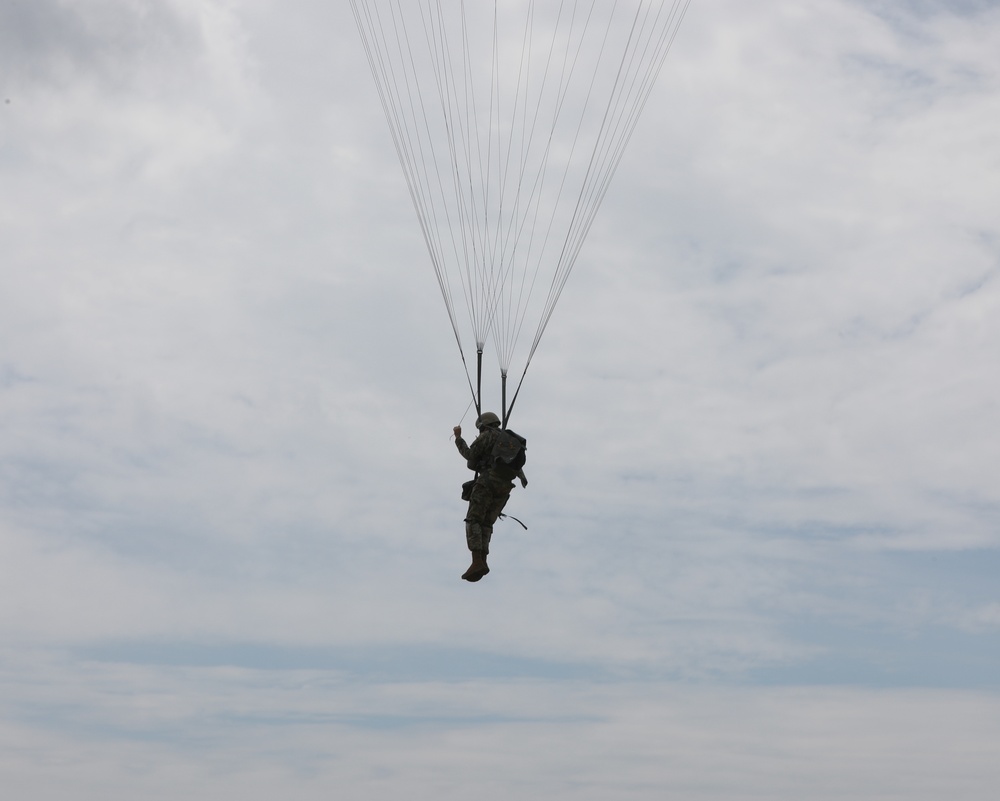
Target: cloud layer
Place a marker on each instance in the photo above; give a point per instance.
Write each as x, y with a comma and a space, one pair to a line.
763, 524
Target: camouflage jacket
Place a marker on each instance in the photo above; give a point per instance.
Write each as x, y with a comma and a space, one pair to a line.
478, 455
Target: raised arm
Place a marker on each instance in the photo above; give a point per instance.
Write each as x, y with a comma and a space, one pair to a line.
461, 444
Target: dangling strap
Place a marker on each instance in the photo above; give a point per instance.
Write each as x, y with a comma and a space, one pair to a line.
504, 517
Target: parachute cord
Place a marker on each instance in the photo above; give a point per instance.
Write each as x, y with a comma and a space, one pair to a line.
390, 95
467, 377
527, 218
510, 408
569, 65
507, 177
625, 118
466, 412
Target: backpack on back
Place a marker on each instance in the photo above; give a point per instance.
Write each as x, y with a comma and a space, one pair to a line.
508, 455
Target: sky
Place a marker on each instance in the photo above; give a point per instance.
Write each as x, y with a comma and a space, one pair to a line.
763, 521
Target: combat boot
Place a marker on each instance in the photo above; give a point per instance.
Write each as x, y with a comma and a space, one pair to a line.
478, 568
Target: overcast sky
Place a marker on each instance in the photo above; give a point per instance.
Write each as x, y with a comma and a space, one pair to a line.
763, 513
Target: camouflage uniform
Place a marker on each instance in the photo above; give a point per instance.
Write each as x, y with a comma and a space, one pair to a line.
489, 493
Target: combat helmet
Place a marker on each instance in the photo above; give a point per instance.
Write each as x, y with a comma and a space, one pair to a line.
486, 420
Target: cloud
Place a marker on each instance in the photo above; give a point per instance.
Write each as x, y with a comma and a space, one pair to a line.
207, 731
55, 43
758, 425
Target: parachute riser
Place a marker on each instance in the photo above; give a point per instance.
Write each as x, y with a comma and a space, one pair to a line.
479, 383
477, 392
503, 398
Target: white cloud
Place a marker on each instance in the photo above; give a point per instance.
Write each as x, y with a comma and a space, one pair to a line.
202, 732
759, 425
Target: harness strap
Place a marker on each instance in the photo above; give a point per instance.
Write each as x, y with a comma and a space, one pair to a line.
502, 516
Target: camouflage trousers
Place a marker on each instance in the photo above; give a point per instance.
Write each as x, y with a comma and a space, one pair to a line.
488, 499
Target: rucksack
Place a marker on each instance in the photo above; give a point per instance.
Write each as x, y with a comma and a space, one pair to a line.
508, 455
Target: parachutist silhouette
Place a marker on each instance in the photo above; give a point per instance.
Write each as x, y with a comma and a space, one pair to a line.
497, 456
